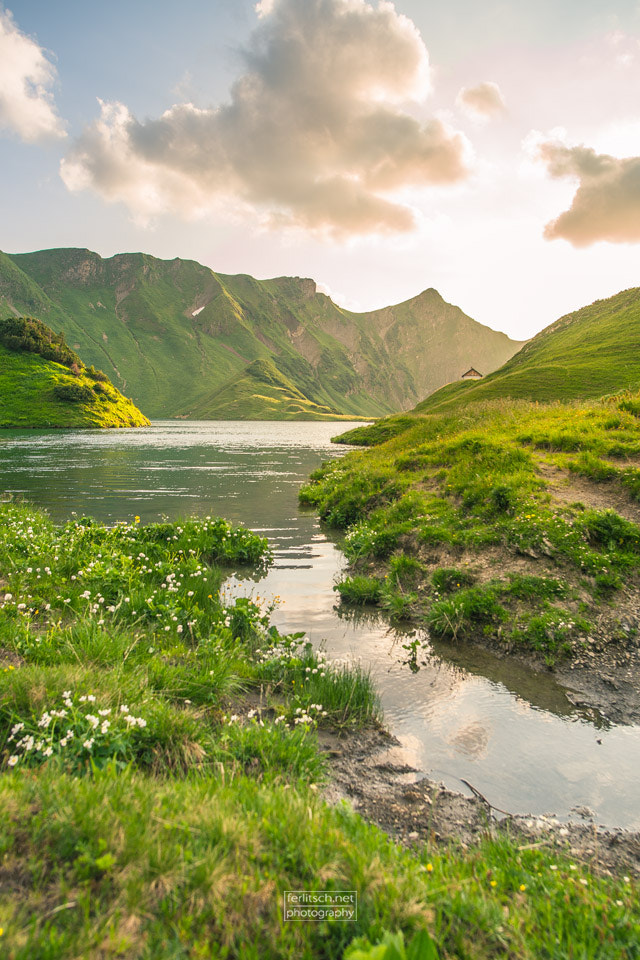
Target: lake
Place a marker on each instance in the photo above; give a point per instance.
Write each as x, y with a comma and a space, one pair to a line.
464, 714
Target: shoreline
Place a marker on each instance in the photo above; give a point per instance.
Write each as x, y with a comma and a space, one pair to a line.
384, 790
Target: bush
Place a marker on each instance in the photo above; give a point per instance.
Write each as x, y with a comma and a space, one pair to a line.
97, 375
73, 392
33, 336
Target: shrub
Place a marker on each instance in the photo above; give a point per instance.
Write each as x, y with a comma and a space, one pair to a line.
33, 336
97, 375
73, 392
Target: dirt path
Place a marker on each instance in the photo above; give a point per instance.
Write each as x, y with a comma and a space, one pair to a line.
568, 487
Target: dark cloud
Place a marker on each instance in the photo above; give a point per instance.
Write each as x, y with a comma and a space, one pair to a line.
606, 205
316, 134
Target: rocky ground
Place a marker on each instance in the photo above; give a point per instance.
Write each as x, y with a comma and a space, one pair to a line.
368, 771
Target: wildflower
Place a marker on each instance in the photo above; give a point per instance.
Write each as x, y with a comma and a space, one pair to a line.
88, 743
136, 519
13, 760
523, 887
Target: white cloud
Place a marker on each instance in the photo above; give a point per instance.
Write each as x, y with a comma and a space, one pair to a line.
26, 77
317, 133
606, 205
483, 101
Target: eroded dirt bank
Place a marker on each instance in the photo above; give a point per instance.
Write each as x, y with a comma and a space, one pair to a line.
369, 772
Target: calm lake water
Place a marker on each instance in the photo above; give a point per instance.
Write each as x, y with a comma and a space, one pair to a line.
464, 714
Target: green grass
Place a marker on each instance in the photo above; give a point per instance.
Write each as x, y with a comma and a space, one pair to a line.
142, 867
159, 773
586, 354
468, 483
28, 387
132, 316
262, 393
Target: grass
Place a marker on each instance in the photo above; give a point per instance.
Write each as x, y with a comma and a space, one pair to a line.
585, 354
472, 484
159, 768
28, 385
261, 392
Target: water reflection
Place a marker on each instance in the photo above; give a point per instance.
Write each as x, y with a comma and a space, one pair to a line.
462, 713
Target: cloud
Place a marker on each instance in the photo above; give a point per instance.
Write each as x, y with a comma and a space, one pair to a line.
484, 101
317, 132
606, 205
26, 76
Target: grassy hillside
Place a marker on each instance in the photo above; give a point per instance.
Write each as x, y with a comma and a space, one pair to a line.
40, 392
493, 522
174, 333
261, 393
585, 354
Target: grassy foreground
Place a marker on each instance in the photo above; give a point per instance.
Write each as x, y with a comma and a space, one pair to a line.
458, 520
160, 771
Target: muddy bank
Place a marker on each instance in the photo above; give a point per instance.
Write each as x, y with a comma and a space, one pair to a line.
369, 772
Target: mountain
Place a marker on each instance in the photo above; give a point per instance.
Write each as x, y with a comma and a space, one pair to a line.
583, 355
261, 392
44, 384
182, 339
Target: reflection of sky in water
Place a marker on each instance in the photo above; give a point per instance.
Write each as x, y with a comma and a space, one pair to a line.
464, 714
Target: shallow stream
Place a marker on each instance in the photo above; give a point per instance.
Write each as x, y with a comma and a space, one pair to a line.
464, 715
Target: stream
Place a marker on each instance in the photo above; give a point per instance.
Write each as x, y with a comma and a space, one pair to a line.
463, 715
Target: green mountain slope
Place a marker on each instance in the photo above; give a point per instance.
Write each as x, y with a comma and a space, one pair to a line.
174, 334
261, 393
584, 355
36, 391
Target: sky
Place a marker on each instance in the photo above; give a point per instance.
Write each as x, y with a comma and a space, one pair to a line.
491, 151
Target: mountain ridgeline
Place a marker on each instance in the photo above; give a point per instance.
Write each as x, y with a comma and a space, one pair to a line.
589, 354
184, 341
582, 356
